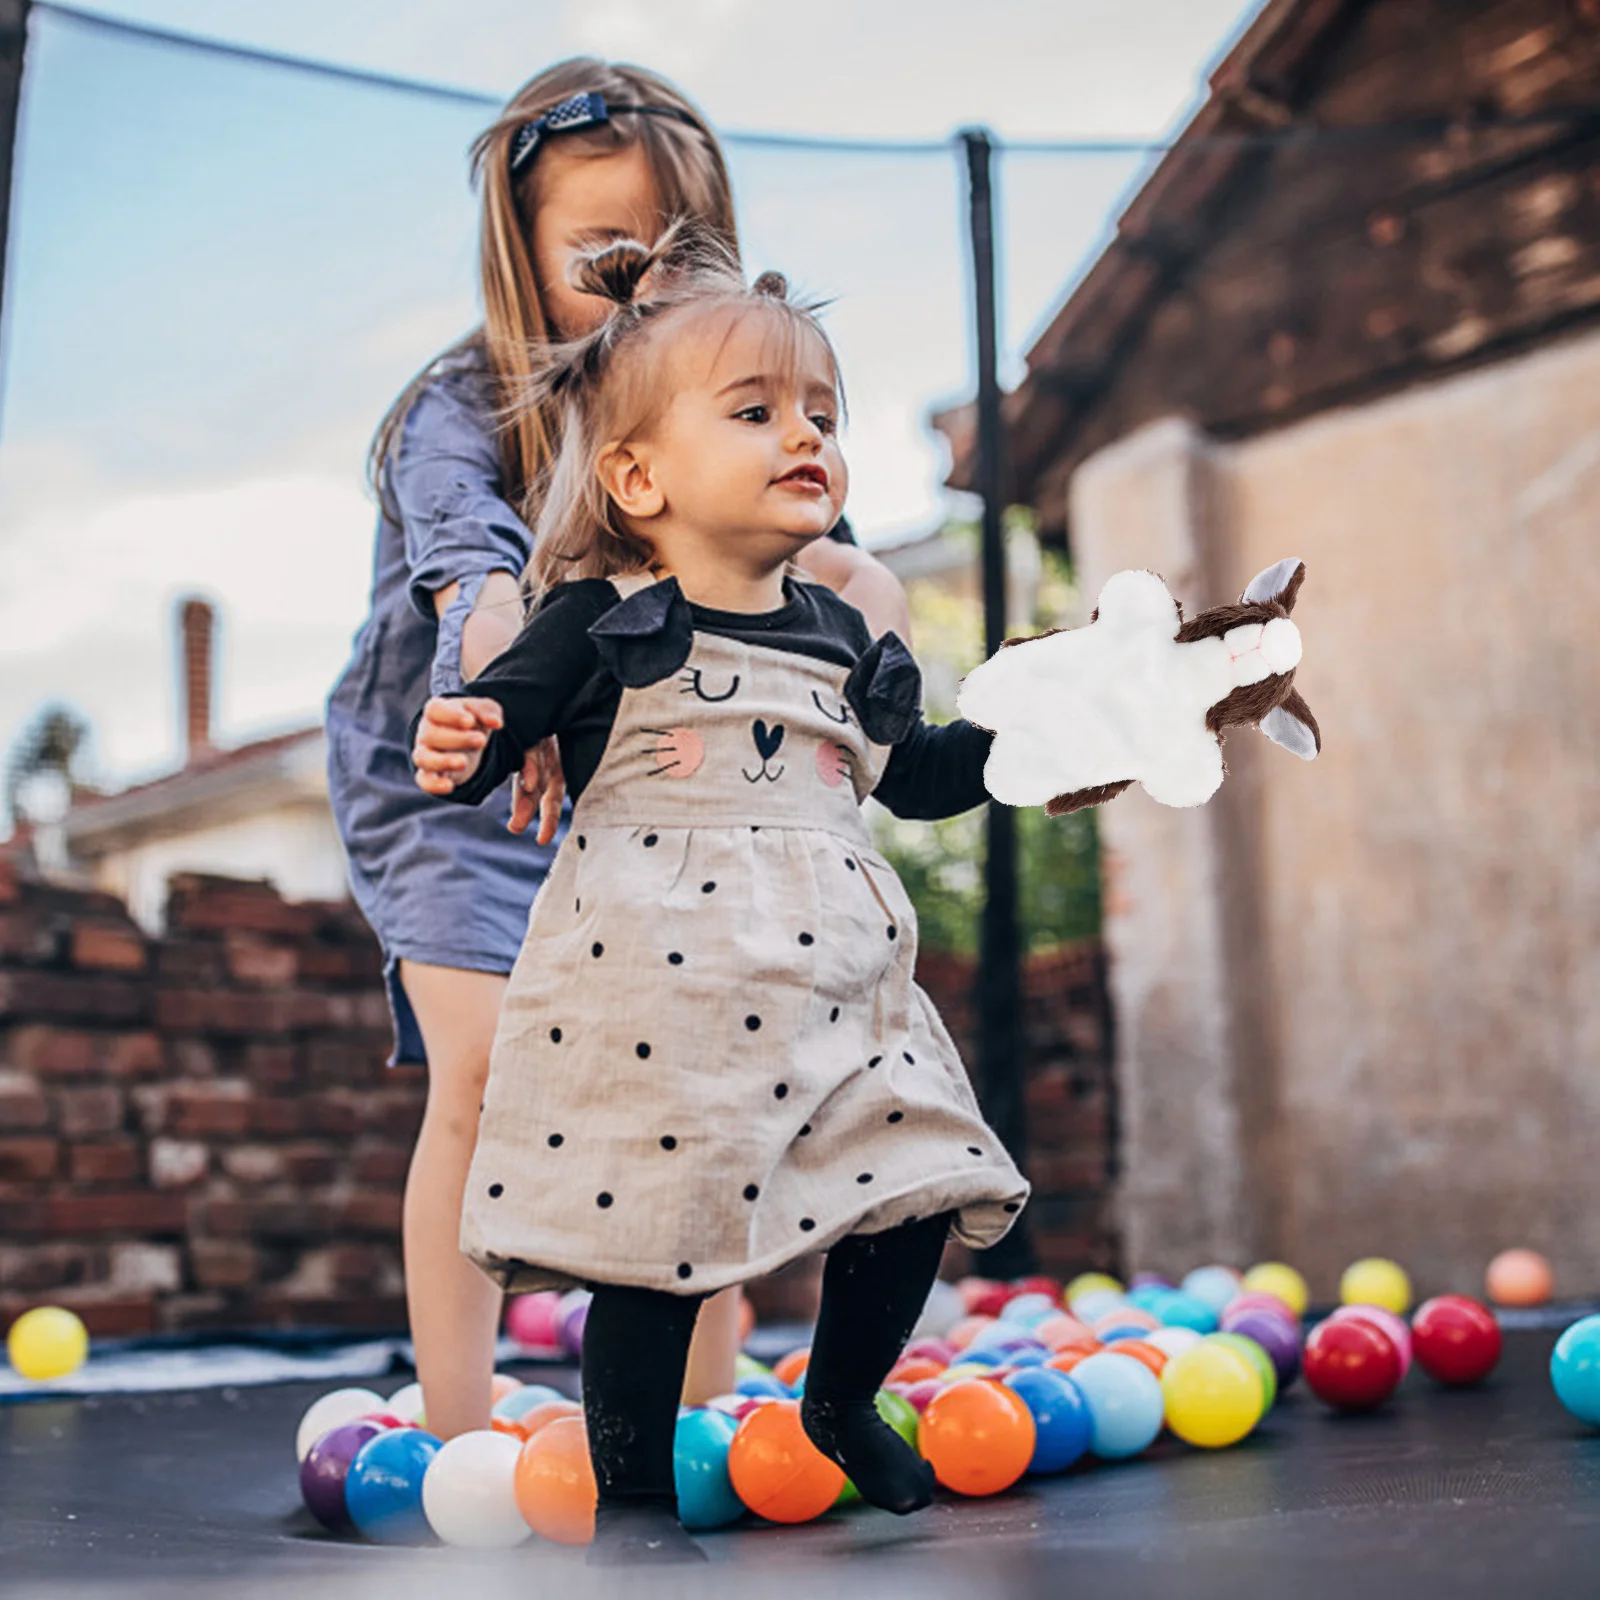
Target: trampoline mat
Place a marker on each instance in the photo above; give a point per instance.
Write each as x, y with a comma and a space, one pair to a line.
1439, 1493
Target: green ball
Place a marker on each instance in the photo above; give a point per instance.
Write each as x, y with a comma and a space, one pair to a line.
901, 1415
1260, 1362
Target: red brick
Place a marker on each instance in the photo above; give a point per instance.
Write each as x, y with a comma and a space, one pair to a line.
105, 1316
189, 1109
182, 1313
274, 1065
376, 1313
293, 1220
28, 1160
254, 1163
31, 934
261, 962
354, 1059
361, 963
381, 1165
22, 1106
89, 1110
273, 1117
109, 947
177, 1163
394, 1114
187, 963
310, 1166
192, 1058
371, 1212
224, 1263
72, 999
331, 1114
219, 1011
115, 1161
227, 905
48, 1266
131, 1211
10, 889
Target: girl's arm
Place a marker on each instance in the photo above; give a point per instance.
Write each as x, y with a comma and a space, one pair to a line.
936, 771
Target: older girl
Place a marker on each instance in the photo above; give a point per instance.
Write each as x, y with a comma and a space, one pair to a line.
583, 152
713, 1057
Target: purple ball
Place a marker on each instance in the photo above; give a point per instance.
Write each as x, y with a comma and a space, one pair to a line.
571, 1329
1149, 1280
1279, 1338
325, 1468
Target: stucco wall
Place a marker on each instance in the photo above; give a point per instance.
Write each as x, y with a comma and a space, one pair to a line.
1406, 934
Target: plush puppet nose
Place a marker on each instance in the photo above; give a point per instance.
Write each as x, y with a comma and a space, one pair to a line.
1280, 644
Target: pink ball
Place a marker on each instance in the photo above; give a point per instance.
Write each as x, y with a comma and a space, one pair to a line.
919, 1394
929, 1350
1385, 1322
532, 1320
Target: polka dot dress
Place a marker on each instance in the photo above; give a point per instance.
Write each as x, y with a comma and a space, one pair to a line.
712, 1058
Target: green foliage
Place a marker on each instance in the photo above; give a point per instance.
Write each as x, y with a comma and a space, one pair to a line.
941, 863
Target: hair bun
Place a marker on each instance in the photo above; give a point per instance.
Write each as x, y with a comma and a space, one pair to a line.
614, 271
772, 286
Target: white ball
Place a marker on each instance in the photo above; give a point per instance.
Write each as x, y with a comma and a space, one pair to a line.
405, 1403
943, 1310
1172, 1341
1089, 1308
333, 1410
1028, 1308
468, 1493
1212, 1286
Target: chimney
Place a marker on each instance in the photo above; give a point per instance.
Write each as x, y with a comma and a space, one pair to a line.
198, 621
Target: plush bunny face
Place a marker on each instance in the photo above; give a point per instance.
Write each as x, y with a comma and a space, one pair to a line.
1140, 696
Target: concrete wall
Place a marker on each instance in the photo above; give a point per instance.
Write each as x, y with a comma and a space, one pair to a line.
1359, 1000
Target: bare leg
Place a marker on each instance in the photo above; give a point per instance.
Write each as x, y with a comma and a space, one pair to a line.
715, 1349
454, 1308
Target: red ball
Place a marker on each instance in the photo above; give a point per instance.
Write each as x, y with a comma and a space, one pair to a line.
1456, 1339
991, 1301
1351, 1365
1039, 1283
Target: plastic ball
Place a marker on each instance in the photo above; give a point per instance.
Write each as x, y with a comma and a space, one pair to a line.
1575, 1370
534, 1322
1148, 1296
1273, 1277
1457, 1340
1061, 1422
1277, 1336
48, 1342
531, 1421
333, 1410
325, 1468
1026, 1306
968, 1329
1215, 1286
1150, 1280
978, 1437
1142, 1350
1519, 1278
700, 1469
1173, 1341
1056, 1332
1380, 1317
554, 1482
1086, 1283
1097, 1303
1067, 1360
521, 1401
1259, 1300
1214, 1396
468, 1493
1124, 1317
942, 1310
990, 1302
1376, 1282
571, 1316
972, 1289
777, 1471
1042, 1283
1351, 1364
383, 1490
1182, 1310
918, 1395
762, 1383
1125, 1403
903, 1417
406, 1403
790, 1369
913, 1369
1257, 1359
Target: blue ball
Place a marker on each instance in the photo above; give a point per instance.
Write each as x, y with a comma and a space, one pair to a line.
1028, 1357
1185, 1311
1063, 1426
986, 1358
700, 1470
383, 1492
1125, 1401
1131, 1330
763, 1383
1148, 1297
1575, 1370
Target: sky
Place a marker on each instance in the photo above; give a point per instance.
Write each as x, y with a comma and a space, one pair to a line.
220, 273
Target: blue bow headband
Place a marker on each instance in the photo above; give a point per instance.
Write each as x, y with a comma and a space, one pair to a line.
579, 111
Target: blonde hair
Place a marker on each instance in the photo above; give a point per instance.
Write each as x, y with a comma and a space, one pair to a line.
613, 382
691, 181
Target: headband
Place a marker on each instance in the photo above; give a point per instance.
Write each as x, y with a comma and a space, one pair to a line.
579, 111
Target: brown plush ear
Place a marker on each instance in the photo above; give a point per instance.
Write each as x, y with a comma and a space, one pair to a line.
1219, 620
1279, 584
1250, 703
1291, 724
1079, 799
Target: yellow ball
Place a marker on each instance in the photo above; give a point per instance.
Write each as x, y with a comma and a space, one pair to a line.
1214, 1397
1376, 1282
1089, 1283
47, 1342
1272, 1277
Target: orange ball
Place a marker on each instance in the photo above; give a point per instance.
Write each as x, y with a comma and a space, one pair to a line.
775, 1468
790, 1369
966, 1331
1065, 1360
1140, 1351
501, 1385
1060, 1332
1519, 1278
1128, 1317
554, 1482
537, 1417
978, 1436
913, 1369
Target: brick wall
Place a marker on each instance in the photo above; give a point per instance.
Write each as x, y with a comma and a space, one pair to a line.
199, 1131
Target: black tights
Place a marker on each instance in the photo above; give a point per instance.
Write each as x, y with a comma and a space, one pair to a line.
636, 1346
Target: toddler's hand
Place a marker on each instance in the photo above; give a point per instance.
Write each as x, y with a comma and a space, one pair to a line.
450, 741
539, 789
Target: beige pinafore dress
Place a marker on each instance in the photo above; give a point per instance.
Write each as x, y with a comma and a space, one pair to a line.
712, 1057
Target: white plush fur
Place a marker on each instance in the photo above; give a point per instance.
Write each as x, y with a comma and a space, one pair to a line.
1118, 699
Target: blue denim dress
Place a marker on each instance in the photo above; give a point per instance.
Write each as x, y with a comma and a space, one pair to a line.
440, 884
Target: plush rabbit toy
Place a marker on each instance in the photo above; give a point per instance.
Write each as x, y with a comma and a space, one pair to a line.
1079, 714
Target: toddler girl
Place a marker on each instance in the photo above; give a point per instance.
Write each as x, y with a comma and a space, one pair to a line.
713, 1058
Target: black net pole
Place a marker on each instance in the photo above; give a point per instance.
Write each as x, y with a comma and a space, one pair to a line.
999, 996
13, 48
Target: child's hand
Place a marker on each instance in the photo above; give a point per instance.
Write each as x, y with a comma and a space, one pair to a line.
450, 741
539, 789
